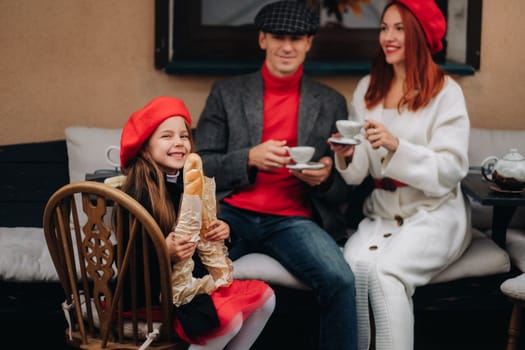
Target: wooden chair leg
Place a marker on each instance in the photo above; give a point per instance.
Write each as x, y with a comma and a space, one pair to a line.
514, 327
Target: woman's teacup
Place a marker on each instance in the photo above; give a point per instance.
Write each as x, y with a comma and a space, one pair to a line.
349, 128
301, 154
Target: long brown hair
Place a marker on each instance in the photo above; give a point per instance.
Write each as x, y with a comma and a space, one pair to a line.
145, 182
424, 78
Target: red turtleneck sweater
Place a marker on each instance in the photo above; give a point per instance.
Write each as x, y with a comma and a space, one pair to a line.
277, 192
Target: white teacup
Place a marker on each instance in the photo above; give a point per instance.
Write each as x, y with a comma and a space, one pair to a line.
113, 156
349, 128
301, 154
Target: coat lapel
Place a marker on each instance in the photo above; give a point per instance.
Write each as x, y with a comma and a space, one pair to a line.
252, 98
308, 112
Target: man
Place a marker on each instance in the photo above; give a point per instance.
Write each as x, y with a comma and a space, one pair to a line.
242, 135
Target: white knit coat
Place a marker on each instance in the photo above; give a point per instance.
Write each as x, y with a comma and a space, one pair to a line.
390, 257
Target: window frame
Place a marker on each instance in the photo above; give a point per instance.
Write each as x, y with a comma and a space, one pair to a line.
184, 46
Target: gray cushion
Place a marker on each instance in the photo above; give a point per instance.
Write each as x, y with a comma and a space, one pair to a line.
483, 257
493, 142
482, 217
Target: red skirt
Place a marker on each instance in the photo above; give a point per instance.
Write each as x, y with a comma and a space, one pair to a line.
241, 296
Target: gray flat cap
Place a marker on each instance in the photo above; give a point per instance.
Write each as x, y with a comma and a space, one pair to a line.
287, 18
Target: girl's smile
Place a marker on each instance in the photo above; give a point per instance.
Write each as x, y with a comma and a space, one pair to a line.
169, 144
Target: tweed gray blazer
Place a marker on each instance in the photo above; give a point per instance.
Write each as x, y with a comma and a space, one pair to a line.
231, 124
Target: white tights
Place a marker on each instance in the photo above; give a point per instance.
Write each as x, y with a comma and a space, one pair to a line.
243, 334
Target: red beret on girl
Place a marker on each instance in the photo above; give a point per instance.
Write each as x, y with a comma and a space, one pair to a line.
145, 121
431, 20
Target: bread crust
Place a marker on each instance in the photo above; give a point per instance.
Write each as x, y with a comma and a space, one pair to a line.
193, 175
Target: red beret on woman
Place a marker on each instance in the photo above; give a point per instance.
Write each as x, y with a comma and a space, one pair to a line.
431, 20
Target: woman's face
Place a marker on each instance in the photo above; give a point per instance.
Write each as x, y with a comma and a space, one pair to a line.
392, 36
169, 144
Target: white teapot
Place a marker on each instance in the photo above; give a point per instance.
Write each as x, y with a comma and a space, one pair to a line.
507, 172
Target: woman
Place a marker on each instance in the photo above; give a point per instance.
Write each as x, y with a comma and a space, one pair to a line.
414, 145
155, 147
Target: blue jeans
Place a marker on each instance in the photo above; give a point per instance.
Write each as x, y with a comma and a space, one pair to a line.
311, 255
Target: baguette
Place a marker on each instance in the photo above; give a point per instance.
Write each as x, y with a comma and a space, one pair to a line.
193, 176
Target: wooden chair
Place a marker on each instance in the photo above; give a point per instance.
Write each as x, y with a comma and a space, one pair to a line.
96, 259
514, 289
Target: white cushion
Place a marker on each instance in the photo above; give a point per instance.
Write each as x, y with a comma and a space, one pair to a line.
514, 287
86, 149
24, 255
266, 268
482, 258
86, 152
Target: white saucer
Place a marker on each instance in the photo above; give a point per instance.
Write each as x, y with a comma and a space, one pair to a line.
309, 165
344, 140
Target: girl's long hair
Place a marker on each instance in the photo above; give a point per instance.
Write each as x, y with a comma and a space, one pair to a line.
145, 182
424, 78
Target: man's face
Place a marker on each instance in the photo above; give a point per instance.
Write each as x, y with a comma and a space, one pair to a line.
284, 53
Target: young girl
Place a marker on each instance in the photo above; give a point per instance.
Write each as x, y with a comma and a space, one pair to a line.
155, 143
415, 144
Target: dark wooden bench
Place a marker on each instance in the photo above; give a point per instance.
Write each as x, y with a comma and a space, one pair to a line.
29, 174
